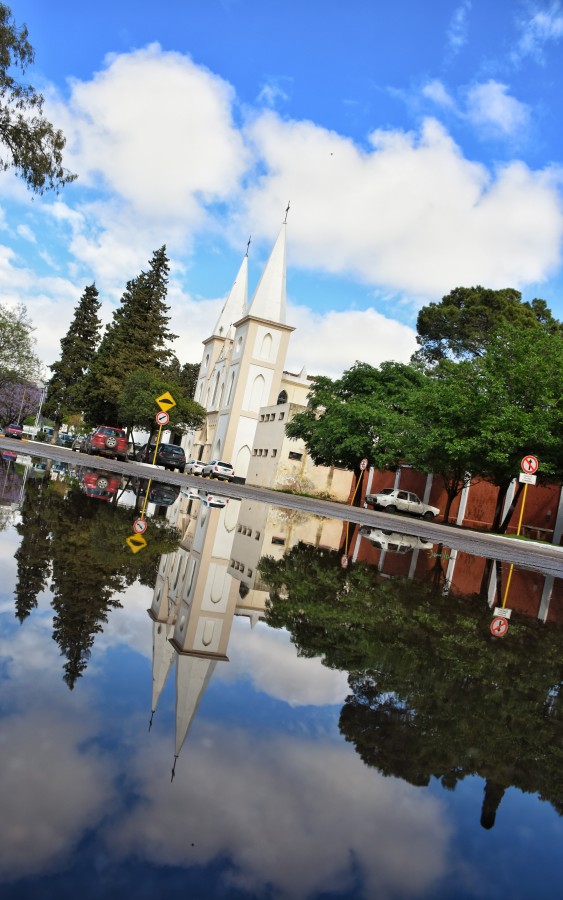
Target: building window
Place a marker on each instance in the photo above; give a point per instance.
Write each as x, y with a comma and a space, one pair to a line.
281, 416
274, 452
293, 455
278, 540
282, 398
257, 535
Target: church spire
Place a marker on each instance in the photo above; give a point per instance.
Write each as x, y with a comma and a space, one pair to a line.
269, 297
234, 307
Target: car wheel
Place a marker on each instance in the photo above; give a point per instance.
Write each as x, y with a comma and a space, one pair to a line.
102, 483
391, 509
181, 469
111, 441
428, 515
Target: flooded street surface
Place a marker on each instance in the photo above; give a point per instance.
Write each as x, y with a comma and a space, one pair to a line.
258, 703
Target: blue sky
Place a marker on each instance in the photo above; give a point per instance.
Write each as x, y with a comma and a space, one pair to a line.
418, 144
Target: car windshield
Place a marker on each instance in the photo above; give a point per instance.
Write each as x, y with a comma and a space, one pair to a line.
115, 431
386, 491
224, 464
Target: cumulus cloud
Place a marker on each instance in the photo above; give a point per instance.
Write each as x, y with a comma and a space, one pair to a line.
434, 90
411, 213
543, 26
294, 816
490, 105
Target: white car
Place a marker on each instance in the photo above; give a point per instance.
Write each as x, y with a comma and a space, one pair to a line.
395, 542
194, 467
216, 468
210, 500
394, 500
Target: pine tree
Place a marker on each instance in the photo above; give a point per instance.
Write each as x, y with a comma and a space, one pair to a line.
65, 390
137, 338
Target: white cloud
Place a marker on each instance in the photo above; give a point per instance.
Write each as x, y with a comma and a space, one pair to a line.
293, 817
330, 343
25, 232
458, 28
489, 105
435, 91
542, 27
412, 214
268, 658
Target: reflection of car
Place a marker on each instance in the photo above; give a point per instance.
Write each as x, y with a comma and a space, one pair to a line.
393, 541
393, 500
107, 441
194, 467
168, 455
159, 493
14, 431
9, 456
216, 468
102, 485
211, 500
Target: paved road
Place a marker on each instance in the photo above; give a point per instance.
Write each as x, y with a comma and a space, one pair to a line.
529, 554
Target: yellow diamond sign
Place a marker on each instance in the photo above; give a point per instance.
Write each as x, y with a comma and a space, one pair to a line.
136, 542
166, 401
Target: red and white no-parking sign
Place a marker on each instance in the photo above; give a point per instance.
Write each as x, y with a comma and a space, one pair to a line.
162, 418
499, 626
139, 526
529, 464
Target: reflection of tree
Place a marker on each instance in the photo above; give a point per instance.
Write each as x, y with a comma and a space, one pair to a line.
33, 554
432, 693
90, 565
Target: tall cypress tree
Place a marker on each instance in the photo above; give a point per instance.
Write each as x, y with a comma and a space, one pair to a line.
137, 338
65, 390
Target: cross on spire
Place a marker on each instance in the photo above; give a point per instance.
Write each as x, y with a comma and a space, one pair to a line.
248, 245
286, 212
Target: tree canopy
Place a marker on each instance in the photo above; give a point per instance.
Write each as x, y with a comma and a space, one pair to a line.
29, 143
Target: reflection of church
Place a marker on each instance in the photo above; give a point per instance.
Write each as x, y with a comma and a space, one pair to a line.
249, 399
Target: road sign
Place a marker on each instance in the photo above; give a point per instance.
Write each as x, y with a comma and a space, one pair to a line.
162, 418
140, 526
166, 401
529, 464
499, 626
503, 611
363, 465
136, 542
527, 479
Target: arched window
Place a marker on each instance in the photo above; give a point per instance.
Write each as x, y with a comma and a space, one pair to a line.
228, 400
282, 398
215, 391
266, 348
257, 393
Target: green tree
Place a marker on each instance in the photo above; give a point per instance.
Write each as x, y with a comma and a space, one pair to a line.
32, 146
65, 390
361, 415
33, 556
184, 375
137, 408
464, 322
19, 362
137, 338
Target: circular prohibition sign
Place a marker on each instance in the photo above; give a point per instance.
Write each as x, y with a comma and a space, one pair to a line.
139, 526
499, 626
530, 464
162, 418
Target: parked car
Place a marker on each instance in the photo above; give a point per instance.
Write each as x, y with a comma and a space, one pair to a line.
216, 468
159, 493
14, 431
394, 500
106, 440
194, 467
394, 541
168, 455
65, 439
78, 442
98, 484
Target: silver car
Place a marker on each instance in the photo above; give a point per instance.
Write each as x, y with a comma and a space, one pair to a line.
394, 500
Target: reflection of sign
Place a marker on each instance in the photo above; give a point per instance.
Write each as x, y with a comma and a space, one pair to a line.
162, 418
499, 626
140, 526
344, 562
136, 542
529, 464
363, 465
503, 611
165, 401
527, 479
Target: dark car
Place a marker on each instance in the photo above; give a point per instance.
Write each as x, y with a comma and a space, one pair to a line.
159, 493
78, 442
106, 440
65, 439
168, 455
14, 431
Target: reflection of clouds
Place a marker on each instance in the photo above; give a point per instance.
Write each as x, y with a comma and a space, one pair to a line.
130, 624
270, 661
297, 815
51, 790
